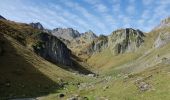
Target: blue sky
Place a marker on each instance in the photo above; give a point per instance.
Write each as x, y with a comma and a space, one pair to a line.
100, 16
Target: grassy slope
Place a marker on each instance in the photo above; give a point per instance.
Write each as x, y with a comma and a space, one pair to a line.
125, 89
120, 88
141, 64
28, 74
124, 70
136, 61
105, 61
22, 72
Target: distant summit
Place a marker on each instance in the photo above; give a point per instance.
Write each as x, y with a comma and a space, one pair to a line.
66, 33
119, 42
89, 35
164, 23
37, 25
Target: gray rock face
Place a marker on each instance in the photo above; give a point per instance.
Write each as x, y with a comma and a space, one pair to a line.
1, 17
73, 39
89, 36
162, 39
52, 49
67, 34
37, 26
120, 41
98, 45
164, 35
101, 43
125, 40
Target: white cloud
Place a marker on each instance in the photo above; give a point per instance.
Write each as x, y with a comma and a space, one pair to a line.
94, 20
98, 15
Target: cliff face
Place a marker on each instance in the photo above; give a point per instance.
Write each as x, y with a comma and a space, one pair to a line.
125, 40
47, 46
162, 39
163, 33
98, 45
51, 48
120, 41
75, 41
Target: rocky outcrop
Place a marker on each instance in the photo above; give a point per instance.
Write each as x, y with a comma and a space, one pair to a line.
120, 41
37, 25
74, 40
67, 34
89, 36
52, 49
164, 23
125, 40
44, 44
101, 43
163, 38
98, 45
163, 33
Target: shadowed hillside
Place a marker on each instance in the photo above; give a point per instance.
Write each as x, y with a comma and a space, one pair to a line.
18, 77
23, 73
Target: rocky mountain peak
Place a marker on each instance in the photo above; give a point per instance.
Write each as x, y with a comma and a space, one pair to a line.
37, 25
120, 41
125, 40
164, 35
89, 36
99, 44
66, 33
164, 23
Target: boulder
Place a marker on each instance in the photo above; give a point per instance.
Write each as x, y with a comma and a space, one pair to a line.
61, 95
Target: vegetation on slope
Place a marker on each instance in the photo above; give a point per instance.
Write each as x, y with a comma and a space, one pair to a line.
139, 75
22, 72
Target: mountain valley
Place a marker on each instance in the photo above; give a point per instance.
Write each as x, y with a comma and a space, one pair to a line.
64, 64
